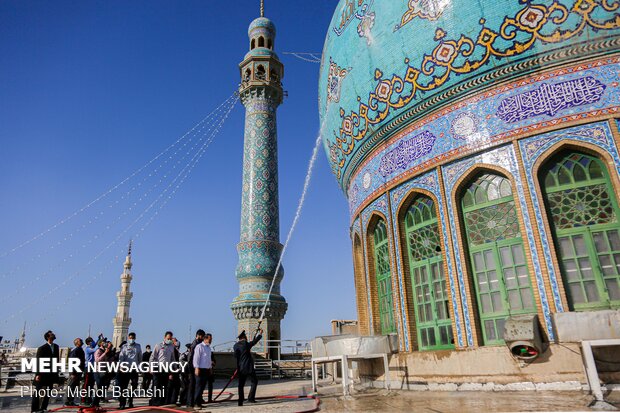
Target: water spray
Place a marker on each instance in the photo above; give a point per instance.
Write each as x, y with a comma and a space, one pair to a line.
293, 225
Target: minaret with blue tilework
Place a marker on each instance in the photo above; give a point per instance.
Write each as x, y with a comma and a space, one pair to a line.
259, 247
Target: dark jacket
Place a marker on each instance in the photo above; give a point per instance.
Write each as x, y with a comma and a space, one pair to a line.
184, 358
192, 349
243, 354
47, 352
78, 353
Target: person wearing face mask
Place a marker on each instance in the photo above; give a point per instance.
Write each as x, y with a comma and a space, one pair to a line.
174, 384
200, 334
131, 355
45, 381
203, 370
163, 353
146, 377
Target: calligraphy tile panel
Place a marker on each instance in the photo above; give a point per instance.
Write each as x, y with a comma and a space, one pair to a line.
489, 119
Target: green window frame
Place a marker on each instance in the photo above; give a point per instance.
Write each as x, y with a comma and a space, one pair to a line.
428, 283
383, 275
496, 254
583, 212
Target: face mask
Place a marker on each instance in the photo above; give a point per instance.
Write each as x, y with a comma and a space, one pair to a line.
131, 341
93, 344
168, 341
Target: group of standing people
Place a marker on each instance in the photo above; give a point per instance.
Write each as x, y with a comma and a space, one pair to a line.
182, 388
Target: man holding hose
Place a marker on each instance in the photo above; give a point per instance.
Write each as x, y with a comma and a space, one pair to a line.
245, 364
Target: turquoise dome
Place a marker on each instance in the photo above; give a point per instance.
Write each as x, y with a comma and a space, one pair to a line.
389, 63
262, 23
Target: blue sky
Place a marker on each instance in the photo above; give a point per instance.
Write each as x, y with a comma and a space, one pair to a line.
92, 90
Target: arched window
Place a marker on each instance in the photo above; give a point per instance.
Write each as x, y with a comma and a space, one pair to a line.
247, 76
261, 41
253, 44
360, 286
384, 277
260, 73
584, 212
269, 44
497, 257
273, 76
428, 283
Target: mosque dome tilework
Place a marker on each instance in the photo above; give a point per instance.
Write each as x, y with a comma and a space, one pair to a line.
422, 102
390, 63
262, 23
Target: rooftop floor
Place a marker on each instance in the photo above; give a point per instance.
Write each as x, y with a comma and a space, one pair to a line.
371, 400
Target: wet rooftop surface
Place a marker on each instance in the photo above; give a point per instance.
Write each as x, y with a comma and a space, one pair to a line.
370, 400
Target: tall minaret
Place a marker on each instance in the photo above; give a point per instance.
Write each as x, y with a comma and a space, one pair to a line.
21, 340
122, 319
259, 247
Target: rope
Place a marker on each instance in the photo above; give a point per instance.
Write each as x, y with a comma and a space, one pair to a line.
123, 214
109, 191
195, 160
139, 233
306, 56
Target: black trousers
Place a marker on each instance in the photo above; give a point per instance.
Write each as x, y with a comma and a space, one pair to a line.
184, 388
253, 382
174, 386
73, 386
204, 379
160, 387
146, 380
40, 403
123, 382
89, 383
103, 382
191, 389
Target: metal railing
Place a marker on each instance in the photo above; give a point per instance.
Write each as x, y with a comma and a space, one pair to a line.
286, 358
282, 346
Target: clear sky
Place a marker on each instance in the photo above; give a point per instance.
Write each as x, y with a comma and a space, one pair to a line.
92, 90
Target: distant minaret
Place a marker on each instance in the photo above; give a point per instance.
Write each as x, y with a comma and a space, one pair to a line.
122, 320
22, 339
259, 246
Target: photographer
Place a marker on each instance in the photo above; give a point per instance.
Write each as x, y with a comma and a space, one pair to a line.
104, 355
